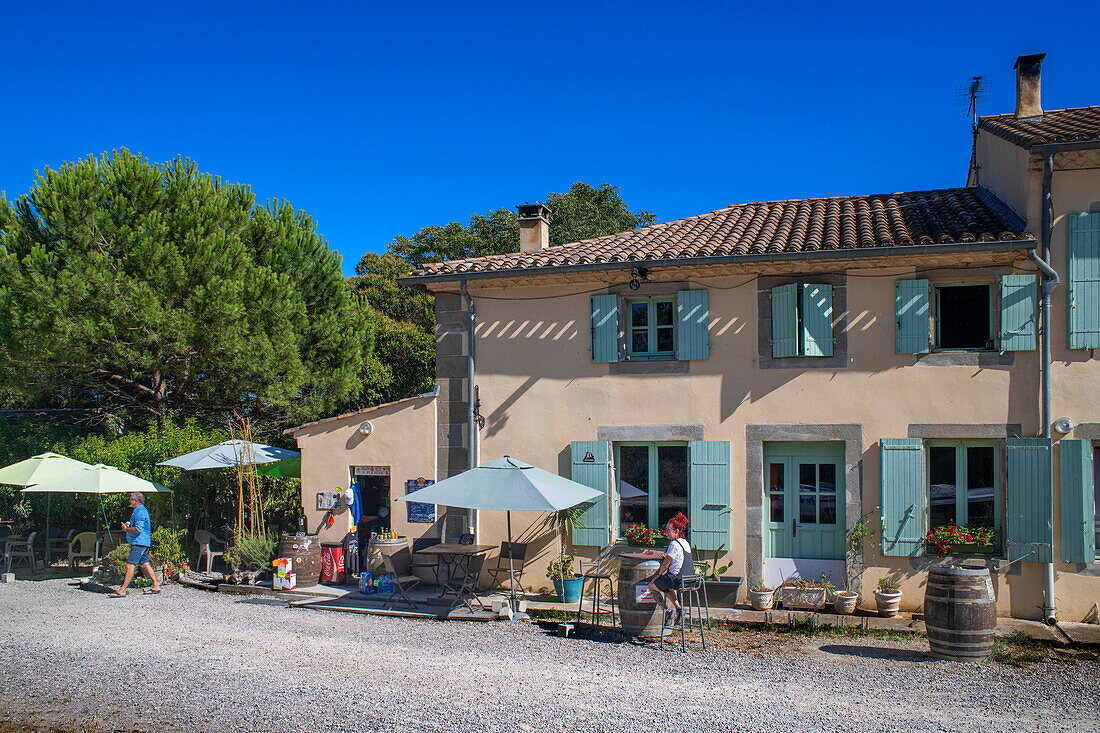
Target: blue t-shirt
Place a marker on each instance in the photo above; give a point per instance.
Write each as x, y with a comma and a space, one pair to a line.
142, 526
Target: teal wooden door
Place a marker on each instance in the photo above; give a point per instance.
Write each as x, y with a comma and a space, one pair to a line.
805, 500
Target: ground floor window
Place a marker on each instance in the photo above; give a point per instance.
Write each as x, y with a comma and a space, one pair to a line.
963, 485
653, 483
1096, 499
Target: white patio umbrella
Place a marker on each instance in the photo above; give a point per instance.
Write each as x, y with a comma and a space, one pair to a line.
98, 479
509, 485
36, 469
228, 454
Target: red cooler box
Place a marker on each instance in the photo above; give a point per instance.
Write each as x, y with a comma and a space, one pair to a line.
332, 563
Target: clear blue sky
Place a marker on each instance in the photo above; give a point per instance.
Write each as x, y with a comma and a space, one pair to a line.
381, 118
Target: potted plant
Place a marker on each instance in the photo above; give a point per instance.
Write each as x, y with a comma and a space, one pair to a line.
567, 583
721, 590
805, 594
761, 597
166, 553
961, 540
640, 535
845, 601
250, 556
888, 597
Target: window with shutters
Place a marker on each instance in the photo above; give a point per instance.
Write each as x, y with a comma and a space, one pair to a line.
1096, 501
802, 320
963, 317
963, 484
651, 331
653, 483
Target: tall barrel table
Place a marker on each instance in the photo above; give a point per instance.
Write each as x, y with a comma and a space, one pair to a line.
638, 610
960, 613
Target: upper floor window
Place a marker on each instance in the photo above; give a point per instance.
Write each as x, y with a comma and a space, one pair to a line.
963, 318
652, 328
802, 320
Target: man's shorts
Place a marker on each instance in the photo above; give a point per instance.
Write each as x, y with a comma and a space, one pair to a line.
139, 554
666, 582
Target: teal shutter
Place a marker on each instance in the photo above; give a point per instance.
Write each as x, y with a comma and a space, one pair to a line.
605, 328
590, 467
1084, 281
911, 312
1030, 535
693, 317
1019, 306
902, 497
785, 320
709, 494
817, 320
1076, 499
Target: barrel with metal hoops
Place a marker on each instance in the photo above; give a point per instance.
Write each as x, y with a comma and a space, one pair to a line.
960, 613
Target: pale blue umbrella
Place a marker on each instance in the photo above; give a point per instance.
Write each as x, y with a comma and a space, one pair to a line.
508, 485
229, 454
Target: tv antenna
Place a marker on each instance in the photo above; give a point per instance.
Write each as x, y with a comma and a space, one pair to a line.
969, 94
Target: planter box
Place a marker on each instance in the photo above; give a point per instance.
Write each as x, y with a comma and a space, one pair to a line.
722, 593
808, 599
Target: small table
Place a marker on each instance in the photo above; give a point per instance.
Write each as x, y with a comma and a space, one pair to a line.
456, 558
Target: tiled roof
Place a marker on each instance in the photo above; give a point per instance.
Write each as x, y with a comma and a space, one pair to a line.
1055, 126
949, 216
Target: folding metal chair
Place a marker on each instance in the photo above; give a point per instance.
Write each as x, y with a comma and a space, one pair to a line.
402, 584
517, 553
424, 562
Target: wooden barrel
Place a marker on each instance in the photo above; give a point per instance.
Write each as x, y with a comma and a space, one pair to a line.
960, 613
397, 549
305, 552
640, 615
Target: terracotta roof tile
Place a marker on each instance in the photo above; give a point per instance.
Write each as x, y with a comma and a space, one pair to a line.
1080, 124
946, 216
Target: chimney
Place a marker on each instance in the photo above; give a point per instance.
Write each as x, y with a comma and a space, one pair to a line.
1028, 102
534, 227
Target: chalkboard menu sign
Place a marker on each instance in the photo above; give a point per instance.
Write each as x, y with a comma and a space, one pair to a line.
419, 512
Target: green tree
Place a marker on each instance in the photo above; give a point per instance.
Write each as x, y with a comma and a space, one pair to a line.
158, 288
582, 212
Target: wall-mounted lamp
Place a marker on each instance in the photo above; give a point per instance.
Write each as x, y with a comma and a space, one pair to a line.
366, 428
635, 273
1063, 425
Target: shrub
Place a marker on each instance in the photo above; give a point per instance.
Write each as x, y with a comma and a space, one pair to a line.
166, 548
115, 560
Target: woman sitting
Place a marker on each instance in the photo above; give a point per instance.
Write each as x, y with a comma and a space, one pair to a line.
663, 585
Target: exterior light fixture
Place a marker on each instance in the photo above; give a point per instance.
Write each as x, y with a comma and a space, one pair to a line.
1063, 425
366, 428
635, 274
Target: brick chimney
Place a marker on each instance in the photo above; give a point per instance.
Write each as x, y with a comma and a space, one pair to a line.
534, 227
1028, 102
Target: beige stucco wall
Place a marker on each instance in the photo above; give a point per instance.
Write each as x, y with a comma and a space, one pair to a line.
403, 438
1003, 170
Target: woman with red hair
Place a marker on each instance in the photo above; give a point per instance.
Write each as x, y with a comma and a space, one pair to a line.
677, 557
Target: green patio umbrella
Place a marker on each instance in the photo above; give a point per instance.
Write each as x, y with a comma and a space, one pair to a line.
98, 479
290, 468
36, 469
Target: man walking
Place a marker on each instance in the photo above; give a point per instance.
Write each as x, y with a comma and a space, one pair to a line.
142, 526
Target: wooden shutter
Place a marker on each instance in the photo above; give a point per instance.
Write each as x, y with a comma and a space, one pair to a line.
591, 467
1076, 499
1029, 534
912, 333
1084, 281
817, 320
709, 494
902, 497
693, 317
605, 328
1019, 308
785, 320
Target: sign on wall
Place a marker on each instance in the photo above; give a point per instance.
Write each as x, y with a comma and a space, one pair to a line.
372, 470
419, 512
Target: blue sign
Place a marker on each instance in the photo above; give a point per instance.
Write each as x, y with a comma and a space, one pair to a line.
419, 512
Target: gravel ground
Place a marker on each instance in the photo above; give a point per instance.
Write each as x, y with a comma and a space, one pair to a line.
190, 660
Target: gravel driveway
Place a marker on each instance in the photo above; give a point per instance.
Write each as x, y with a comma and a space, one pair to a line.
190, 660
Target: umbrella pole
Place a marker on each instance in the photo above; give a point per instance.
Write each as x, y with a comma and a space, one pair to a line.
511, 571
96, 561
48, 497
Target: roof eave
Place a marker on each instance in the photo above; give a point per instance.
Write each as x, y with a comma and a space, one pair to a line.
838, 254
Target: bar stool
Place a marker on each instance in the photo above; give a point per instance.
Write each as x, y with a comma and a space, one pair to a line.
599, 570
689, 594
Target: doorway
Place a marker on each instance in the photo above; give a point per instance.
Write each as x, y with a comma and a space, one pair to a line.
372, 488
805, 500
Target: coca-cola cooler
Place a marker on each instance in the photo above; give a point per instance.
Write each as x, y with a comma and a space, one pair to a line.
332, 563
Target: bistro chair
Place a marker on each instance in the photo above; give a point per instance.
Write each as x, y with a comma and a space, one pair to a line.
82, 546
402, 584
599, 571
517, 551
204, 540
429, 563
23, 549
689, 589
57, 545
